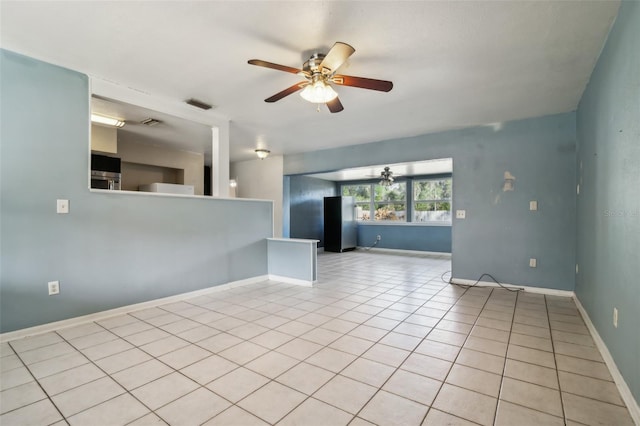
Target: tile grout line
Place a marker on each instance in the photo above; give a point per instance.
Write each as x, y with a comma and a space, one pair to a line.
504, 367
334, 373
39, 385
537, 384
126, 391
555, 363
270, 380
413, 351
456, 357
338, 373
444, 380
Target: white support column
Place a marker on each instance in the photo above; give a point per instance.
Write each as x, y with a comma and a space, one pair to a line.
220, 161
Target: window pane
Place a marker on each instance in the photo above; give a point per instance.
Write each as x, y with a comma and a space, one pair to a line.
422, 211
394, 192
432, 189
422, 190
429, 207
388, 211
363, 211
427, 212
444, 206
424, 207
359, 192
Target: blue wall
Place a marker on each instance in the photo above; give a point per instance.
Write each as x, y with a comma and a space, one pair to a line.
500, 234
406, 237
305, 206
608, 238
112, 249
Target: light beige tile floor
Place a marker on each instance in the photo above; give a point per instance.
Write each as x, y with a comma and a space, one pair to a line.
379, 340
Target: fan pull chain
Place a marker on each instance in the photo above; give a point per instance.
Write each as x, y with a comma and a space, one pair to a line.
318, 109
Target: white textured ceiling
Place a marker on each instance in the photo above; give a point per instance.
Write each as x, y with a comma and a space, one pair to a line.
453, 63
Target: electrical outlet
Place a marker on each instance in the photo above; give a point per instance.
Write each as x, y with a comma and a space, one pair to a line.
378, 237
615, 317
54, 287
533, 263
62, 206
461, 214
533, 205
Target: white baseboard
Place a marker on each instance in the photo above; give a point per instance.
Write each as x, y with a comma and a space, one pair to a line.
72, 322
402, 251
288, 280
623, 388
528, 289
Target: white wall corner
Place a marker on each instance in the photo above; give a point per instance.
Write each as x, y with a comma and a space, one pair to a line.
288, 280
220, 160
262, 179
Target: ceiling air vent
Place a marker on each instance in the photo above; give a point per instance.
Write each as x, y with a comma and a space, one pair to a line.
150, 122
198, 104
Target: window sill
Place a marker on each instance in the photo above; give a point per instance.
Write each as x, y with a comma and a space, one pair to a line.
398, 223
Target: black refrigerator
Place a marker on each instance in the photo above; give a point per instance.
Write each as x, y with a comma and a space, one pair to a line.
340, 230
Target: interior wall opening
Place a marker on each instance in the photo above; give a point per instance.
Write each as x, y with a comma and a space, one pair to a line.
139, 149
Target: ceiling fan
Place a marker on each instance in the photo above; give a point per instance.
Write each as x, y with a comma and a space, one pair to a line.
319, 72
386, 177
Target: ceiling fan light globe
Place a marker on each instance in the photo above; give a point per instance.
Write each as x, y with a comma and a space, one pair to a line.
318, 93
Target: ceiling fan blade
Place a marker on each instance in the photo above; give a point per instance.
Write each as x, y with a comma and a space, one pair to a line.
271, 65
337, 56
287, 91
335, 105
363, 83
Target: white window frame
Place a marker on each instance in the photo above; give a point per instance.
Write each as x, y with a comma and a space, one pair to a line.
414, 201
372, 202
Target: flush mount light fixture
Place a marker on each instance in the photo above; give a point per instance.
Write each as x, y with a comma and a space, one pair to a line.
107, 121
262, 153
318, 92
150, 122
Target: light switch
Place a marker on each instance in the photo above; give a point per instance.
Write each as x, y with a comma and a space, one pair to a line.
461, 214
63, 206
533, 263
533, 205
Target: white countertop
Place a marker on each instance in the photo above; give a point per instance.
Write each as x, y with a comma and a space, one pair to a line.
294, 240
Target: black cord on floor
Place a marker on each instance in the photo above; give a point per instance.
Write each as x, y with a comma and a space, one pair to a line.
370, 247
475, 284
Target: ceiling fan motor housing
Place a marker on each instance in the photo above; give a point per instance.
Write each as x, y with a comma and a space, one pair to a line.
312, 66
